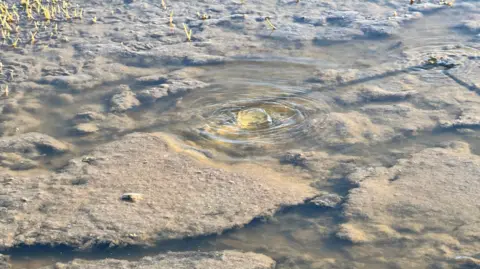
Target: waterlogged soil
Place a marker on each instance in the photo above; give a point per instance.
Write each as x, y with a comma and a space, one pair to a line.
345, 137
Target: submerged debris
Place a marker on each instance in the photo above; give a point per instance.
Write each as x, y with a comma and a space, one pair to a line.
433, 62
294, 158
89, 159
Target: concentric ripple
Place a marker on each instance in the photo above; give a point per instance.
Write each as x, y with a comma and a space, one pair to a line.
438, 39
464, 59
251, 120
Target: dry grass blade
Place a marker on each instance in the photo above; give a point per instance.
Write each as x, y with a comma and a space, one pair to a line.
32, 40
188, 32
270, 24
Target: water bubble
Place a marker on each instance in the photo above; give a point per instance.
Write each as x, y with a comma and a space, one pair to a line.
252, 120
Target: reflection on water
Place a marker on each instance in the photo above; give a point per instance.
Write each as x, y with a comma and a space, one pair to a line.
261, 108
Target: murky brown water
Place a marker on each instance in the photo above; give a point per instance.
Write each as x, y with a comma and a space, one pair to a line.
258, 109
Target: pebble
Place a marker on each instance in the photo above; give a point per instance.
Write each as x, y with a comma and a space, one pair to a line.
132, 197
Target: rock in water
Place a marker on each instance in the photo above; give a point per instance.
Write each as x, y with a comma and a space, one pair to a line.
132, 197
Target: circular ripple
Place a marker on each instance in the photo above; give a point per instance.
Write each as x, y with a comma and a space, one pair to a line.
252, 120
456, 58
438, 40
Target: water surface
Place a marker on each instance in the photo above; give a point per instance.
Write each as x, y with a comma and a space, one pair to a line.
259, 107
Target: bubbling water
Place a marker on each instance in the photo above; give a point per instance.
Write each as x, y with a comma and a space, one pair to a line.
252, 121
257, 122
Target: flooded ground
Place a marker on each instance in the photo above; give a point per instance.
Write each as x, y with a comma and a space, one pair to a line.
342, 114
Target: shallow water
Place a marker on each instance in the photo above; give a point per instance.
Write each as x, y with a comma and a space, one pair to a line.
210, 119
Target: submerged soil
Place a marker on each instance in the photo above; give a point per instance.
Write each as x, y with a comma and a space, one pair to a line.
225, 259
345, 137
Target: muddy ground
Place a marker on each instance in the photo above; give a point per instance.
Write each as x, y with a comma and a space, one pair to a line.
322, 134
225, 259
139, 190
